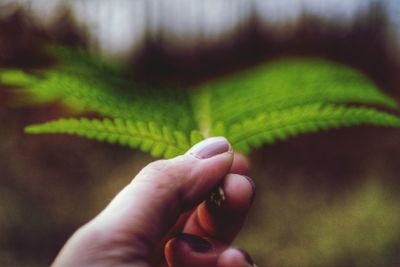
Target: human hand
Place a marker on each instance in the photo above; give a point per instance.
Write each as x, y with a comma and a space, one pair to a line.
165, 216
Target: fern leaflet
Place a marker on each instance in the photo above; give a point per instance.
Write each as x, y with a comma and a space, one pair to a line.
280, 125
146, 136
288, 83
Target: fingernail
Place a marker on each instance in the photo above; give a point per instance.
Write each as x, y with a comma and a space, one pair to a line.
196, 243
246, 256
210, 147
253, 186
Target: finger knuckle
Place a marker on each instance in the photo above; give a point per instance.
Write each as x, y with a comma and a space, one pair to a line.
160, 171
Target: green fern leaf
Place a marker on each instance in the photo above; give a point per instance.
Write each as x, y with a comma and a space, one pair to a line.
16, 77
287, 83
258, 106
280, 125
84, 82
146, 136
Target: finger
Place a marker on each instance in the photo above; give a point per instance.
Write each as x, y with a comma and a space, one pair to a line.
158, 256
240, 165
142, 213
188, 250
225, 221
234, 257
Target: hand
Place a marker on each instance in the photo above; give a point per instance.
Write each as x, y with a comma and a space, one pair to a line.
165, 216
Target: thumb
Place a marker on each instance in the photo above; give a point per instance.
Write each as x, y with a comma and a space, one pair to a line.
143, 212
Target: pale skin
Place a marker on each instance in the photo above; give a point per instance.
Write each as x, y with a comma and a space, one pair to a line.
143, 225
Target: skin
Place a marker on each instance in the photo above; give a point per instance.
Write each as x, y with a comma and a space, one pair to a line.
141, 226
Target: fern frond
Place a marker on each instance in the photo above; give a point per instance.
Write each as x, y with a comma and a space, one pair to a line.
159, 141
78, 60
289, 83
84, 82
257, 106
16, 77
33, 87
280, 125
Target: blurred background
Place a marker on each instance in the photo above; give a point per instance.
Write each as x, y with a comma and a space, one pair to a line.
324, 199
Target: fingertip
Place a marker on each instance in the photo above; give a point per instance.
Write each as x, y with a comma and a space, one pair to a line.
240, 190
210, 147
235, 257
190, 250
224, 221
241, 164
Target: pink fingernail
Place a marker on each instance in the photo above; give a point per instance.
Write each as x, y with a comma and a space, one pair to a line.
210, 147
